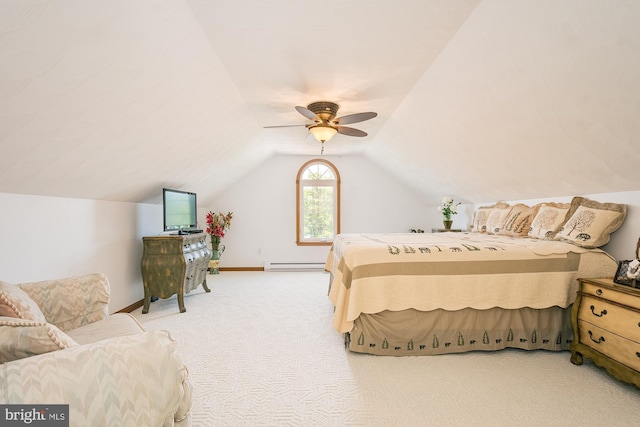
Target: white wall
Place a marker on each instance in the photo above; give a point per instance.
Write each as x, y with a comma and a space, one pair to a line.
49, 237
264, 206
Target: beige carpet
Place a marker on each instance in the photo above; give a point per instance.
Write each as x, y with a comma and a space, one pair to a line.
262, 352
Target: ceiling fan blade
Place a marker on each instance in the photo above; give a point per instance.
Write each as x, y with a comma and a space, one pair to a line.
355, 118
350, 131
283, 126
307, 113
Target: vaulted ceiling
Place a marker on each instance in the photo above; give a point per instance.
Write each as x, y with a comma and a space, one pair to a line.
479, 99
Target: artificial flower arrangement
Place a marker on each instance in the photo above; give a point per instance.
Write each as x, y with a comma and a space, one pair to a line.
216, 226
448, 208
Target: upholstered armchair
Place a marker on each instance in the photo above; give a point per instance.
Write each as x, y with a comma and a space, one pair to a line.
58, 345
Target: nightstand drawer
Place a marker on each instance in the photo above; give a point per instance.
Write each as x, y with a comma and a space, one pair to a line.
621, 294
621, 349
609, 316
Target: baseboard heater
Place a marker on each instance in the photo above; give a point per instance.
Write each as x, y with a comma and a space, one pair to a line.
294, 266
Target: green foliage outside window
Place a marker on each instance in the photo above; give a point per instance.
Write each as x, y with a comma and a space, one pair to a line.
318, 212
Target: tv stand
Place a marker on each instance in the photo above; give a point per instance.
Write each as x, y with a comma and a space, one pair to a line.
174, 264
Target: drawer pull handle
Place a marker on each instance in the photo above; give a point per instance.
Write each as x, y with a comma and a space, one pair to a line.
602, 313
599, 292
637, 354
600, 340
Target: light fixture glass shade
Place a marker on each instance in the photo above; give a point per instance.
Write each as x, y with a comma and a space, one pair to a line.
322, 133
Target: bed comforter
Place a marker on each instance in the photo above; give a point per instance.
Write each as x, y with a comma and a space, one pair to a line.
371, 273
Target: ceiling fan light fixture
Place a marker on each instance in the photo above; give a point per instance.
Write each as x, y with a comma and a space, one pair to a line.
322, 132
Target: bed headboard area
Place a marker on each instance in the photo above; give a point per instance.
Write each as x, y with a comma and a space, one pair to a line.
583, 222
609, 221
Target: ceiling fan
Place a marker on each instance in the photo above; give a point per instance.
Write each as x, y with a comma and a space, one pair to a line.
325, 124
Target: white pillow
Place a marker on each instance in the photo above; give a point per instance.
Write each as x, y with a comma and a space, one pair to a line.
20, 338
481, 216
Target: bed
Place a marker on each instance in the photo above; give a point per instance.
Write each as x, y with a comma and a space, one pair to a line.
427, 294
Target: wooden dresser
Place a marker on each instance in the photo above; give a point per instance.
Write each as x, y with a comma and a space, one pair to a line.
606, 326
174, 264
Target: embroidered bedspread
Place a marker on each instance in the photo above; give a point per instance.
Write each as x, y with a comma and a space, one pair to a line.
371, 273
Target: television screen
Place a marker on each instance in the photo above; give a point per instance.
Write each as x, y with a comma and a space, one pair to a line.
179, 209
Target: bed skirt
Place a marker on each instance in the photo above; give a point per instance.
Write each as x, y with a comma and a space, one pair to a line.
415, 333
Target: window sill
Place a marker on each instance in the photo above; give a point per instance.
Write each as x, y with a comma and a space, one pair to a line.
323, 243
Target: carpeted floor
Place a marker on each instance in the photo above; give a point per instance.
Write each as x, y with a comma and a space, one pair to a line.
262, 352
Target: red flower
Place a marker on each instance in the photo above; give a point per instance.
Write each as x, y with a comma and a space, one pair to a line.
218, 223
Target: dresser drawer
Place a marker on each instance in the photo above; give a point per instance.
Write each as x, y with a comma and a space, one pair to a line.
609, 316
618, 294
612, 345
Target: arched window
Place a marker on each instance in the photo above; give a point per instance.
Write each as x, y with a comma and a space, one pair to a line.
318, 203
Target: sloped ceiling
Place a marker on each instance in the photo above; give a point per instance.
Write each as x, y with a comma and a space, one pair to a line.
481, 100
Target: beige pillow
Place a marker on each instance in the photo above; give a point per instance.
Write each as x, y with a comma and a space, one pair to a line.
14, 302
481, 216
20, 338
591, 223
518, 220
549, 219
496, 219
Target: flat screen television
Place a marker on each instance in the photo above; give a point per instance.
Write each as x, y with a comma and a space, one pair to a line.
179, 210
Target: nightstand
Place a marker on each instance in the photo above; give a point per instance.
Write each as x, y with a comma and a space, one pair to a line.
443, 230
606, 328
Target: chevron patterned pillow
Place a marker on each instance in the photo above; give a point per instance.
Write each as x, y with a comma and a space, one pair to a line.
14, 302
24, 338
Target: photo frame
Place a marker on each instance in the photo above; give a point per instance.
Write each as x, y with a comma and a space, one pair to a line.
626, 274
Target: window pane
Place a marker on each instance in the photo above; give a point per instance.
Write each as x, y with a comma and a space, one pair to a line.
318, 212
318, 171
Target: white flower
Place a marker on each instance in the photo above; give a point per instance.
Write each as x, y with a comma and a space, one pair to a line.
448, 207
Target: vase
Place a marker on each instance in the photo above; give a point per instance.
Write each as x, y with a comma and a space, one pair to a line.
447, 223
216, 252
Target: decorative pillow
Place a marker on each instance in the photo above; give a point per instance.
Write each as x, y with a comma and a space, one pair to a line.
496, 219
23, 338
591, 223
14, 302
518, 220
6, 310
549, 219
481, 215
